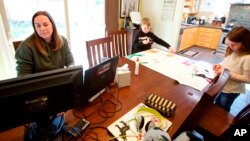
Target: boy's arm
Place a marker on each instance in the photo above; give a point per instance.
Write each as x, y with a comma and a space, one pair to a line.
159, 40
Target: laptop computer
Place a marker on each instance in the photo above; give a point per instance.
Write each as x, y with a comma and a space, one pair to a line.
99, 77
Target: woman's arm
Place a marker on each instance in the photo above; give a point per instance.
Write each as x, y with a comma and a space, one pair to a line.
69, 59
24, 59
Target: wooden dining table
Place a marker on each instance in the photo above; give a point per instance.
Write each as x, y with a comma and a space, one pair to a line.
115, 102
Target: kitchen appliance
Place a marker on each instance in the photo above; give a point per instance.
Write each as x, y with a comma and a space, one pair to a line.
229, 26
222, 45
201, 21
191, 19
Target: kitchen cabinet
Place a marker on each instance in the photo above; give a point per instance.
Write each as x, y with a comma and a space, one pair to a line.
208, 37
188, 38
192, 5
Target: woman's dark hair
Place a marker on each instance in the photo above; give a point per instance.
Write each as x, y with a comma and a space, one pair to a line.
38, 41
239, 35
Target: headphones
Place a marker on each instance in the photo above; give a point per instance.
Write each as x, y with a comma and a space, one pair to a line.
157, 119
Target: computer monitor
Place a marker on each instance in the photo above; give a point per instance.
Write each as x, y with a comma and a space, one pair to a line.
98, 78
35, 97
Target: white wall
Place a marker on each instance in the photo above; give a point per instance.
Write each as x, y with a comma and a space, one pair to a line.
217, 8
167, 30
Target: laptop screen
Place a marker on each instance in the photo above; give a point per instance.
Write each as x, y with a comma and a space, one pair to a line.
99, 77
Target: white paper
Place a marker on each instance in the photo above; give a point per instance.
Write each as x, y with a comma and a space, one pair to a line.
135, 17
179, 68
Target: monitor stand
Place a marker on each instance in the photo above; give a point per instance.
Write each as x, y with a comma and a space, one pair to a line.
96, 95
44, 129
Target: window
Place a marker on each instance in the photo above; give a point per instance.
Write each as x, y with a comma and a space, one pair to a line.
77, 20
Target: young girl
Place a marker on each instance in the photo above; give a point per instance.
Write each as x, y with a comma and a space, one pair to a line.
237, 61
145, 38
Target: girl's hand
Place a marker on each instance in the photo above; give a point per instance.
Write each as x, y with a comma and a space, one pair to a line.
217, 69
216, 66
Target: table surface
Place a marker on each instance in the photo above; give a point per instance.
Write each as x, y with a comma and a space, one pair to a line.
182, 69
101, 113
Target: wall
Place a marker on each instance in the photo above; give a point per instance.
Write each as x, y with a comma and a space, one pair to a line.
167, 30
214, 8
217, 8
240, 13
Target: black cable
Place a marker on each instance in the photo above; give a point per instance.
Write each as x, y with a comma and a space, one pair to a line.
109, 100
90, 131
74, 113
100, 107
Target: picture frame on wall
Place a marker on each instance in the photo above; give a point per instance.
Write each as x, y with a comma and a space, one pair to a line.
127, 6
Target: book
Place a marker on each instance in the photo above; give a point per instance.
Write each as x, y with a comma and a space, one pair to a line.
127, 127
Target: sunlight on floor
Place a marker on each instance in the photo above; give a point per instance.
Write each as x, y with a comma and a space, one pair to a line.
241, 101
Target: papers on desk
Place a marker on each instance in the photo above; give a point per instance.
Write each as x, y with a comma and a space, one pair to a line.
196, 74
126, 128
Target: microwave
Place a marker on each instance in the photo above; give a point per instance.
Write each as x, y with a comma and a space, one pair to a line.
190, 19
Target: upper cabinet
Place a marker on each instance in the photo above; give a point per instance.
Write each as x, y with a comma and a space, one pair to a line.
191, 6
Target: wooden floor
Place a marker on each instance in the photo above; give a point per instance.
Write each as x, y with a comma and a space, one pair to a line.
211, 56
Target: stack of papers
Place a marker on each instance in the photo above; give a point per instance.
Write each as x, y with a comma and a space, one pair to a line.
196, 74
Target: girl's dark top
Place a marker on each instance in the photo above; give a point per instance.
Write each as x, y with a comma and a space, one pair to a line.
138, 42
29, 60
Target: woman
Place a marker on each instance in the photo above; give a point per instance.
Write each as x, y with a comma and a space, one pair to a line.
237, 61
45, 49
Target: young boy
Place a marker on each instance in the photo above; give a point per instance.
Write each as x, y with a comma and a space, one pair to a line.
145, 38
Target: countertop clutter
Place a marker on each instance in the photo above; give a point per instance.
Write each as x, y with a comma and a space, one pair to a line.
186, 26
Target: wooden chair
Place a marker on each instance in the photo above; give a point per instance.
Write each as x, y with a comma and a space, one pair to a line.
120, 42
98, 49
16, 44
206, 100
218, 124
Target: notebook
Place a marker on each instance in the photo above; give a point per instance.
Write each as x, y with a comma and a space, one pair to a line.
126, 127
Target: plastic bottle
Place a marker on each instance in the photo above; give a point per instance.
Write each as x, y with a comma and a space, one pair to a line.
137, 66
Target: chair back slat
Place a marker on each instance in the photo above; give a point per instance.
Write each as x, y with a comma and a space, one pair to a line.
120, 42
98, 49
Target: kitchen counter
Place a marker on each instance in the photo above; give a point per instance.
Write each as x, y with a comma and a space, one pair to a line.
199, 35
188, 26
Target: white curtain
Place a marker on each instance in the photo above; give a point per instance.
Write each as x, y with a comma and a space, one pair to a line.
7, 60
